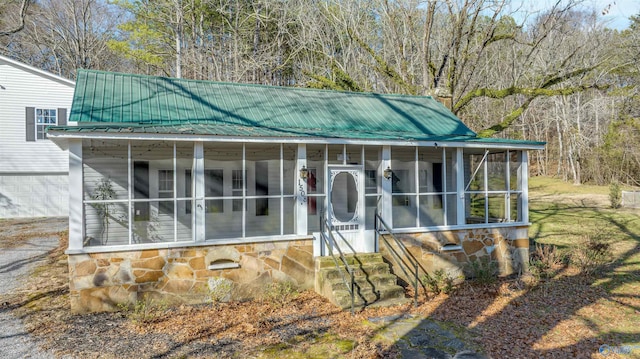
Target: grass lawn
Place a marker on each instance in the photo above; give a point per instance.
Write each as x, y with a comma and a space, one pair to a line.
574, 311
611, 311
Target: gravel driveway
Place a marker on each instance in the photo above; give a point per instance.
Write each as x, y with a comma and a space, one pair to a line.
15, 265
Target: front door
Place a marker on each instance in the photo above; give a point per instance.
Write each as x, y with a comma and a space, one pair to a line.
346, 207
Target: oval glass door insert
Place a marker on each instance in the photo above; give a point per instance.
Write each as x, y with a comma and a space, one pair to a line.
344, 197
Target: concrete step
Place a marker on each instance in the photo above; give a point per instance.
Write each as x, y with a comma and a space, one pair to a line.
367, 297
358, 271
357, 259
372, 281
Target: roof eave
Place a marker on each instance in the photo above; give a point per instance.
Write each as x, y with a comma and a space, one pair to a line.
62, 137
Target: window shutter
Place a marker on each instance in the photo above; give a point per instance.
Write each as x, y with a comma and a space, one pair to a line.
62, 117
31, 123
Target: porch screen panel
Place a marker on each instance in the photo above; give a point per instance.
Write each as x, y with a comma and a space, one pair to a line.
289, 169
452, 209
403, 185
104, 169
431, 187
153, 191
184, 187
353, 155
451, 187
372, 185
336, 155
497, 171
105, 179
515, 186
497, 192
431, 210
267, 224
290, 176
474, 182
315, 185
106, 224
220, 162
497, 207
516, 200
263, 190
492, 186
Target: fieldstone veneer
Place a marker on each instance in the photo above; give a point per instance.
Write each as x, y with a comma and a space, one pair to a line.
508, 247
101, 281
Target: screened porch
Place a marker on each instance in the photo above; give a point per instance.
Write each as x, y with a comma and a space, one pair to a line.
153, 193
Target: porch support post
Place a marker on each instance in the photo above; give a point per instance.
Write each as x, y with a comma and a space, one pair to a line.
458, 171
524, 183
387, 188
76, 207
301, 191
198, 192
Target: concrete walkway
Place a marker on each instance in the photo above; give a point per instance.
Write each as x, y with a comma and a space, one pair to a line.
15, 265
422, 338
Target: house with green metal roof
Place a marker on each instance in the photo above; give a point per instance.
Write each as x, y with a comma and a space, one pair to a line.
183, 188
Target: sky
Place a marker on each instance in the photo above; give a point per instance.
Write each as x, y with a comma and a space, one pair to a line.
617, 11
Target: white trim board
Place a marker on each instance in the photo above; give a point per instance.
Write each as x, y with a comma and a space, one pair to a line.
60, 139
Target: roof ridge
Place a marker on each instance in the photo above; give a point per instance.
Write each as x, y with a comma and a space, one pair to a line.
244, 84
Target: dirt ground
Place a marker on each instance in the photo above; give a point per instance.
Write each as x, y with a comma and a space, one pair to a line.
15, 232
511, 318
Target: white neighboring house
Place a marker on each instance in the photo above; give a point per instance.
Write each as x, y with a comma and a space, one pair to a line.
33, 170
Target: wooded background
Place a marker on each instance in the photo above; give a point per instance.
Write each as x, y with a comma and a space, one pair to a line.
560, 75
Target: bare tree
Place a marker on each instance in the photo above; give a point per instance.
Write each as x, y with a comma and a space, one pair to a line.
24, 6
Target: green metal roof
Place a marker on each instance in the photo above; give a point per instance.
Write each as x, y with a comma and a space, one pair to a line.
104, 97
116, 103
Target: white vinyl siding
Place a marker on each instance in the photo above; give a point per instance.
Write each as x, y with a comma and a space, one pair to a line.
33, 195
33, 175
22, 89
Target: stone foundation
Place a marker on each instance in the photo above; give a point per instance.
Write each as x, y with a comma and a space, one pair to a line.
102, 281
507, 247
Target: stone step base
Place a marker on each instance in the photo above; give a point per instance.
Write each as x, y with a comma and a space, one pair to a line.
369, 282
363, 258
363, 270
367, 297
374, 284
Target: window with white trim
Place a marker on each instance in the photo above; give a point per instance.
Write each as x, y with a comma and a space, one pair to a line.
44, 118
38, 119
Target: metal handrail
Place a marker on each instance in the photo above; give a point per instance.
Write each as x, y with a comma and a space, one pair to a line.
327, 237
396, 256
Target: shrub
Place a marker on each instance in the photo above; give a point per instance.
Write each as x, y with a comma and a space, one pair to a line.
593, 252
144, 311
279, 293
219, 290
439, 282
545, 261
483, 271
615, 194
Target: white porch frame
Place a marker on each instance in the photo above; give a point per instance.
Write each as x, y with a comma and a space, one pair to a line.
77, 202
